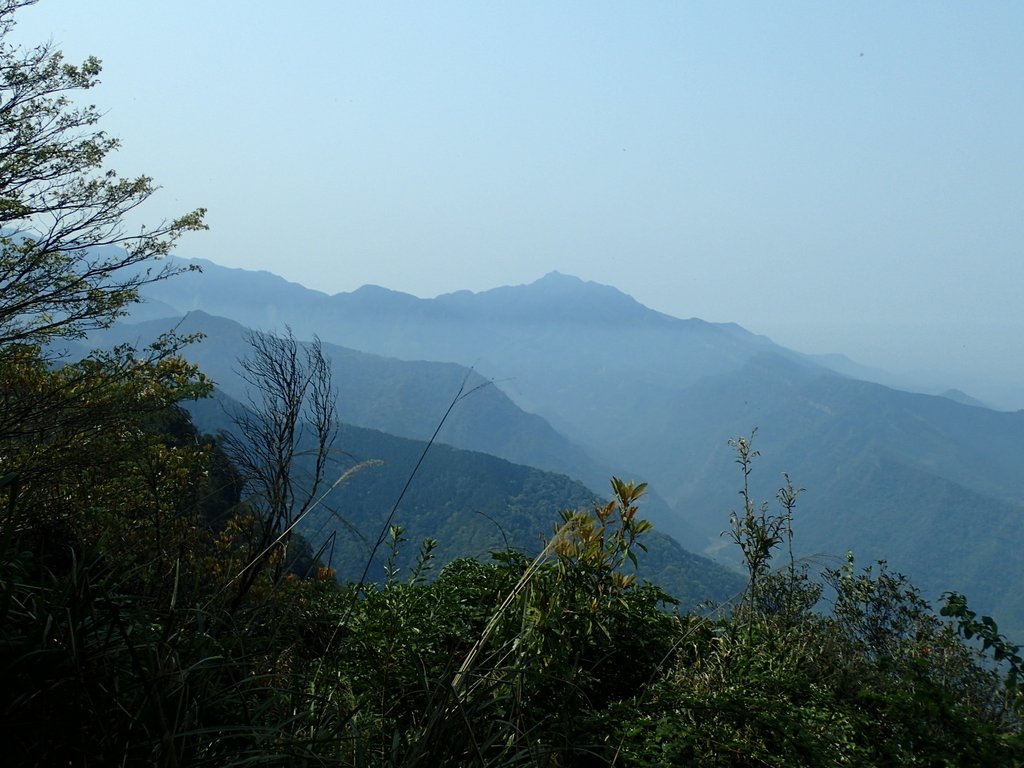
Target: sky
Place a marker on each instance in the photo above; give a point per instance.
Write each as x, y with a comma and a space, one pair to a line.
841, 177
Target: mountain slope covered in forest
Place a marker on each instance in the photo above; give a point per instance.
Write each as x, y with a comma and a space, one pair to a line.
639, 389
471, 503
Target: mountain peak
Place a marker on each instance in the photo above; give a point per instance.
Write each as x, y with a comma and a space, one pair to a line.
554, 276
563, 281
554, 296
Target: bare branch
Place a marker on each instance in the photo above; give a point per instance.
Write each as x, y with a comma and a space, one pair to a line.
291, 414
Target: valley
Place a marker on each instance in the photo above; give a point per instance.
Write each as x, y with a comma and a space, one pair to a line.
580, 379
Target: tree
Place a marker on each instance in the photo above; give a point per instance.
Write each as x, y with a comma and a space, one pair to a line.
61, 210
68, 262
112, 633
291, 413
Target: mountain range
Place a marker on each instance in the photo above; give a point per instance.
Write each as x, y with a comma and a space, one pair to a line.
929, 483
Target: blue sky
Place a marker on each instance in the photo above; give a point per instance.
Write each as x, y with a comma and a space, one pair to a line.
839, 176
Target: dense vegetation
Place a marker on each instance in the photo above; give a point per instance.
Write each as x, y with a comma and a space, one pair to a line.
129, 635
157, 607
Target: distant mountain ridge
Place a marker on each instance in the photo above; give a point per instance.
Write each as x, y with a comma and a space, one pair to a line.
269, 300
644, 390
538, 340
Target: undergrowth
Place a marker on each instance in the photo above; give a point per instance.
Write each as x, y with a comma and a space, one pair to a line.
119, 646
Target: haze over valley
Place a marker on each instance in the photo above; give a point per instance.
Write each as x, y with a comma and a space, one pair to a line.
580, 379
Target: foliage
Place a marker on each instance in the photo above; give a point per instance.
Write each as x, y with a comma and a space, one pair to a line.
875, 680
1004, 653
756, 531
59, 206
509, 661
119, 622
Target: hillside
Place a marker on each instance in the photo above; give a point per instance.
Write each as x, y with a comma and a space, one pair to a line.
471, 503
404, 398
639, 389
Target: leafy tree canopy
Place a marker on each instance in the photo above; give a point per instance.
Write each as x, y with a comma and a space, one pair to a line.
60, 204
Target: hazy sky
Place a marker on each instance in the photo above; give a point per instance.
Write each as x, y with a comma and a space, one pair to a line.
839, 176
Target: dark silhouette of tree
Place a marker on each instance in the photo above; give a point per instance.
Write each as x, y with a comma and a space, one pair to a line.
291, 413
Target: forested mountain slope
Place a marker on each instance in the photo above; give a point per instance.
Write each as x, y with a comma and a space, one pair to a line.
404, 398
471, 503
638, 388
